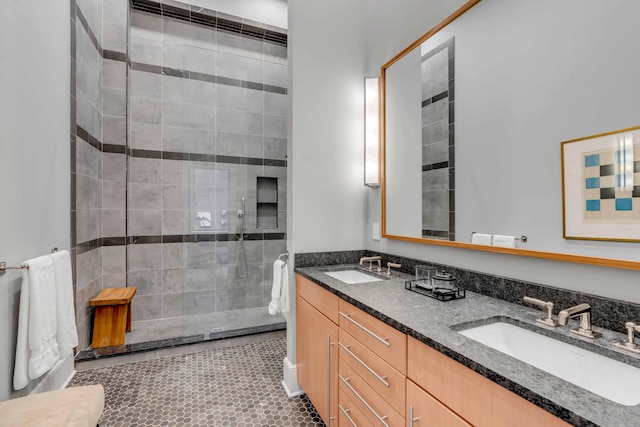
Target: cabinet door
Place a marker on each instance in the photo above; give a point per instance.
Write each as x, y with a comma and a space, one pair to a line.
423, 410
317, 360
474, 397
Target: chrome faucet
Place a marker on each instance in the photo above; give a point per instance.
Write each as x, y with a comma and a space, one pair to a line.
548, 305
371, 259
584, 311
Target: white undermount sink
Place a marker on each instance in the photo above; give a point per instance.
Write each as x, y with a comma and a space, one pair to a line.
353, 276
601, 375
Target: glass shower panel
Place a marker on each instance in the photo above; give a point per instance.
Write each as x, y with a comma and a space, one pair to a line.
206, 274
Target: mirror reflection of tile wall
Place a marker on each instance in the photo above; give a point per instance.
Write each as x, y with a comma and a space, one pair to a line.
438, 176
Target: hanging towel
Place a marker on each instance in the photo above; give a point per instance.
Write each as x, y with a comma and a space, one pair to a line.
481, 239
284, 291
67, 334
504, 241
36, 349
276, 288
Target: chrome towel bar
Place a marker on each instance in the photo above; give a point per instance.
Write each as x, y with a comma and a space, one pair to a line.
285, 255
521, 238
4, 268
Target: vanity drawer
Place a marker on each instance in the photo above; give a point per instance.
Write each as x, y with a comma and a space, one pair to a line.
349, 414
371, 404
379, 375
385, 341
426, 411
323, 300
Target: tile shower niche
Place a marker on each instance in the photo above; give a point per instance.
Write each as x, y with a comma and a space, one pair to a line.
267, 202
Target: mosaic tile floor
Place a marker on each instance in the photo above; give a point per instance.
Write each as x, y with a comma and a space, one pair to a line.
236, 386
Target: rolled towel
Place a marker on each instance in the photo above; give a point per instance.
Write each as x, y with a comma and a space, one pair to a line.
481, 239
504, 241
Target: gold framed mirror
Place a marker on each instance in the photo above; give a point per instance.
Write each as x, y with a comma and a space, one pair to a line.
485, 99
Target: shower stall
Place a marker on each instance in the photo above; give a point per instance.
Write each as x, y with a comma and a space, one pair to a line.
193, 199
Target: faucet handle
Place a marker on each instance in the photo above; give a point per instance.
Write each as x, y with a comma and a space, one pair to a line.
548, 305
629, 344
391, 264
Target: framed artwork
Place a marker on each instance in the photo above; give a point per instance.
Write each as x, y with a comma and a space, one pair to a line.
601, 186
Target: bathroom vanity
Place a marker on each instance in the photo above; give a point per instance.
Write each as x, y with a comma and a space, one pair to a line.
377, 354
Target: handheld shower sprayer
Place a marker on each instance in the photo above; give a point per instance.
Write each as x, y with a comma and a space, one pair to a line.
241, 256
241, 211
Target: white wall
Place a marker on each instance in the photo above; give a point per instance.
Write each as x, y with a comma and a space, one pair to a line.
394, 25
327, 47
386, 20
326, 197
272, 12
34, 151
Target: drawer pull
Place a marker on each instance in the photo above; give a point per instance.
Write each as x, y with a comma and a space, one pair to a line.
353, 390
411, 419
329, 344
374, 373
384, 341
345, 412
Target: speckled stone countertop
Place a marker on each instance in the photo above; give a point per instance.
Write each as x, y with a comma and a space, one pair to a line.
435, 323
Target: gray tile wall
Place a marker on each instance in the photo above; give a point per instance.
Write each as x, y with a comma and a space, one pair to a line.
99, 175
184, 110
116, 195
88, 159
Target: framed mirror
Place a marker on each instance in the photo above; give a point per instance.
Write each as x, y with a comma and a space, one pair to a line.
474, 114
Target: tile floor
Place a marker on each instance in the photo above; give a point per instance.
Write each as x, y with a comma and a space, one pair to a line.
236, 386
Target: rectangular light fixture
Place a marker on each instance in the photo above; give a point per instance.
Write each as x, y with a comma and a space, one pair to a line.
371, 132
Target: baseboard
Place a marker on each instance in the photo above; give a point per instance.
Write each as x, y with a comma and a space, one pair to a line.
290, 379
58, 377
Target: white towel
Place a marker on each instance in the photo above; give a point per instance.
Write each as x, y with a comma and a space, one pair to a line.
36, 349
276, 288
504, 241
67, 335
284, 292
481, 239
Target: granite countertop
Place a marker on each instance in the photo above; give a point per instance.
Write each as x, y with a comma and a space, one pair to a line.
435, 323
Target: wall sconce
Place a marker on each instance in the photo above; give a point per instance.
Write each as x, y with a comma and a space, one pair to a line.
371, 132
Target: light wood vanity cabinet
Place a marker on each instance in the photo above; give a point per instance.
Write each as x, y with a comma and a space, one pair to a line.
478, 400
359, 371
316, 347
